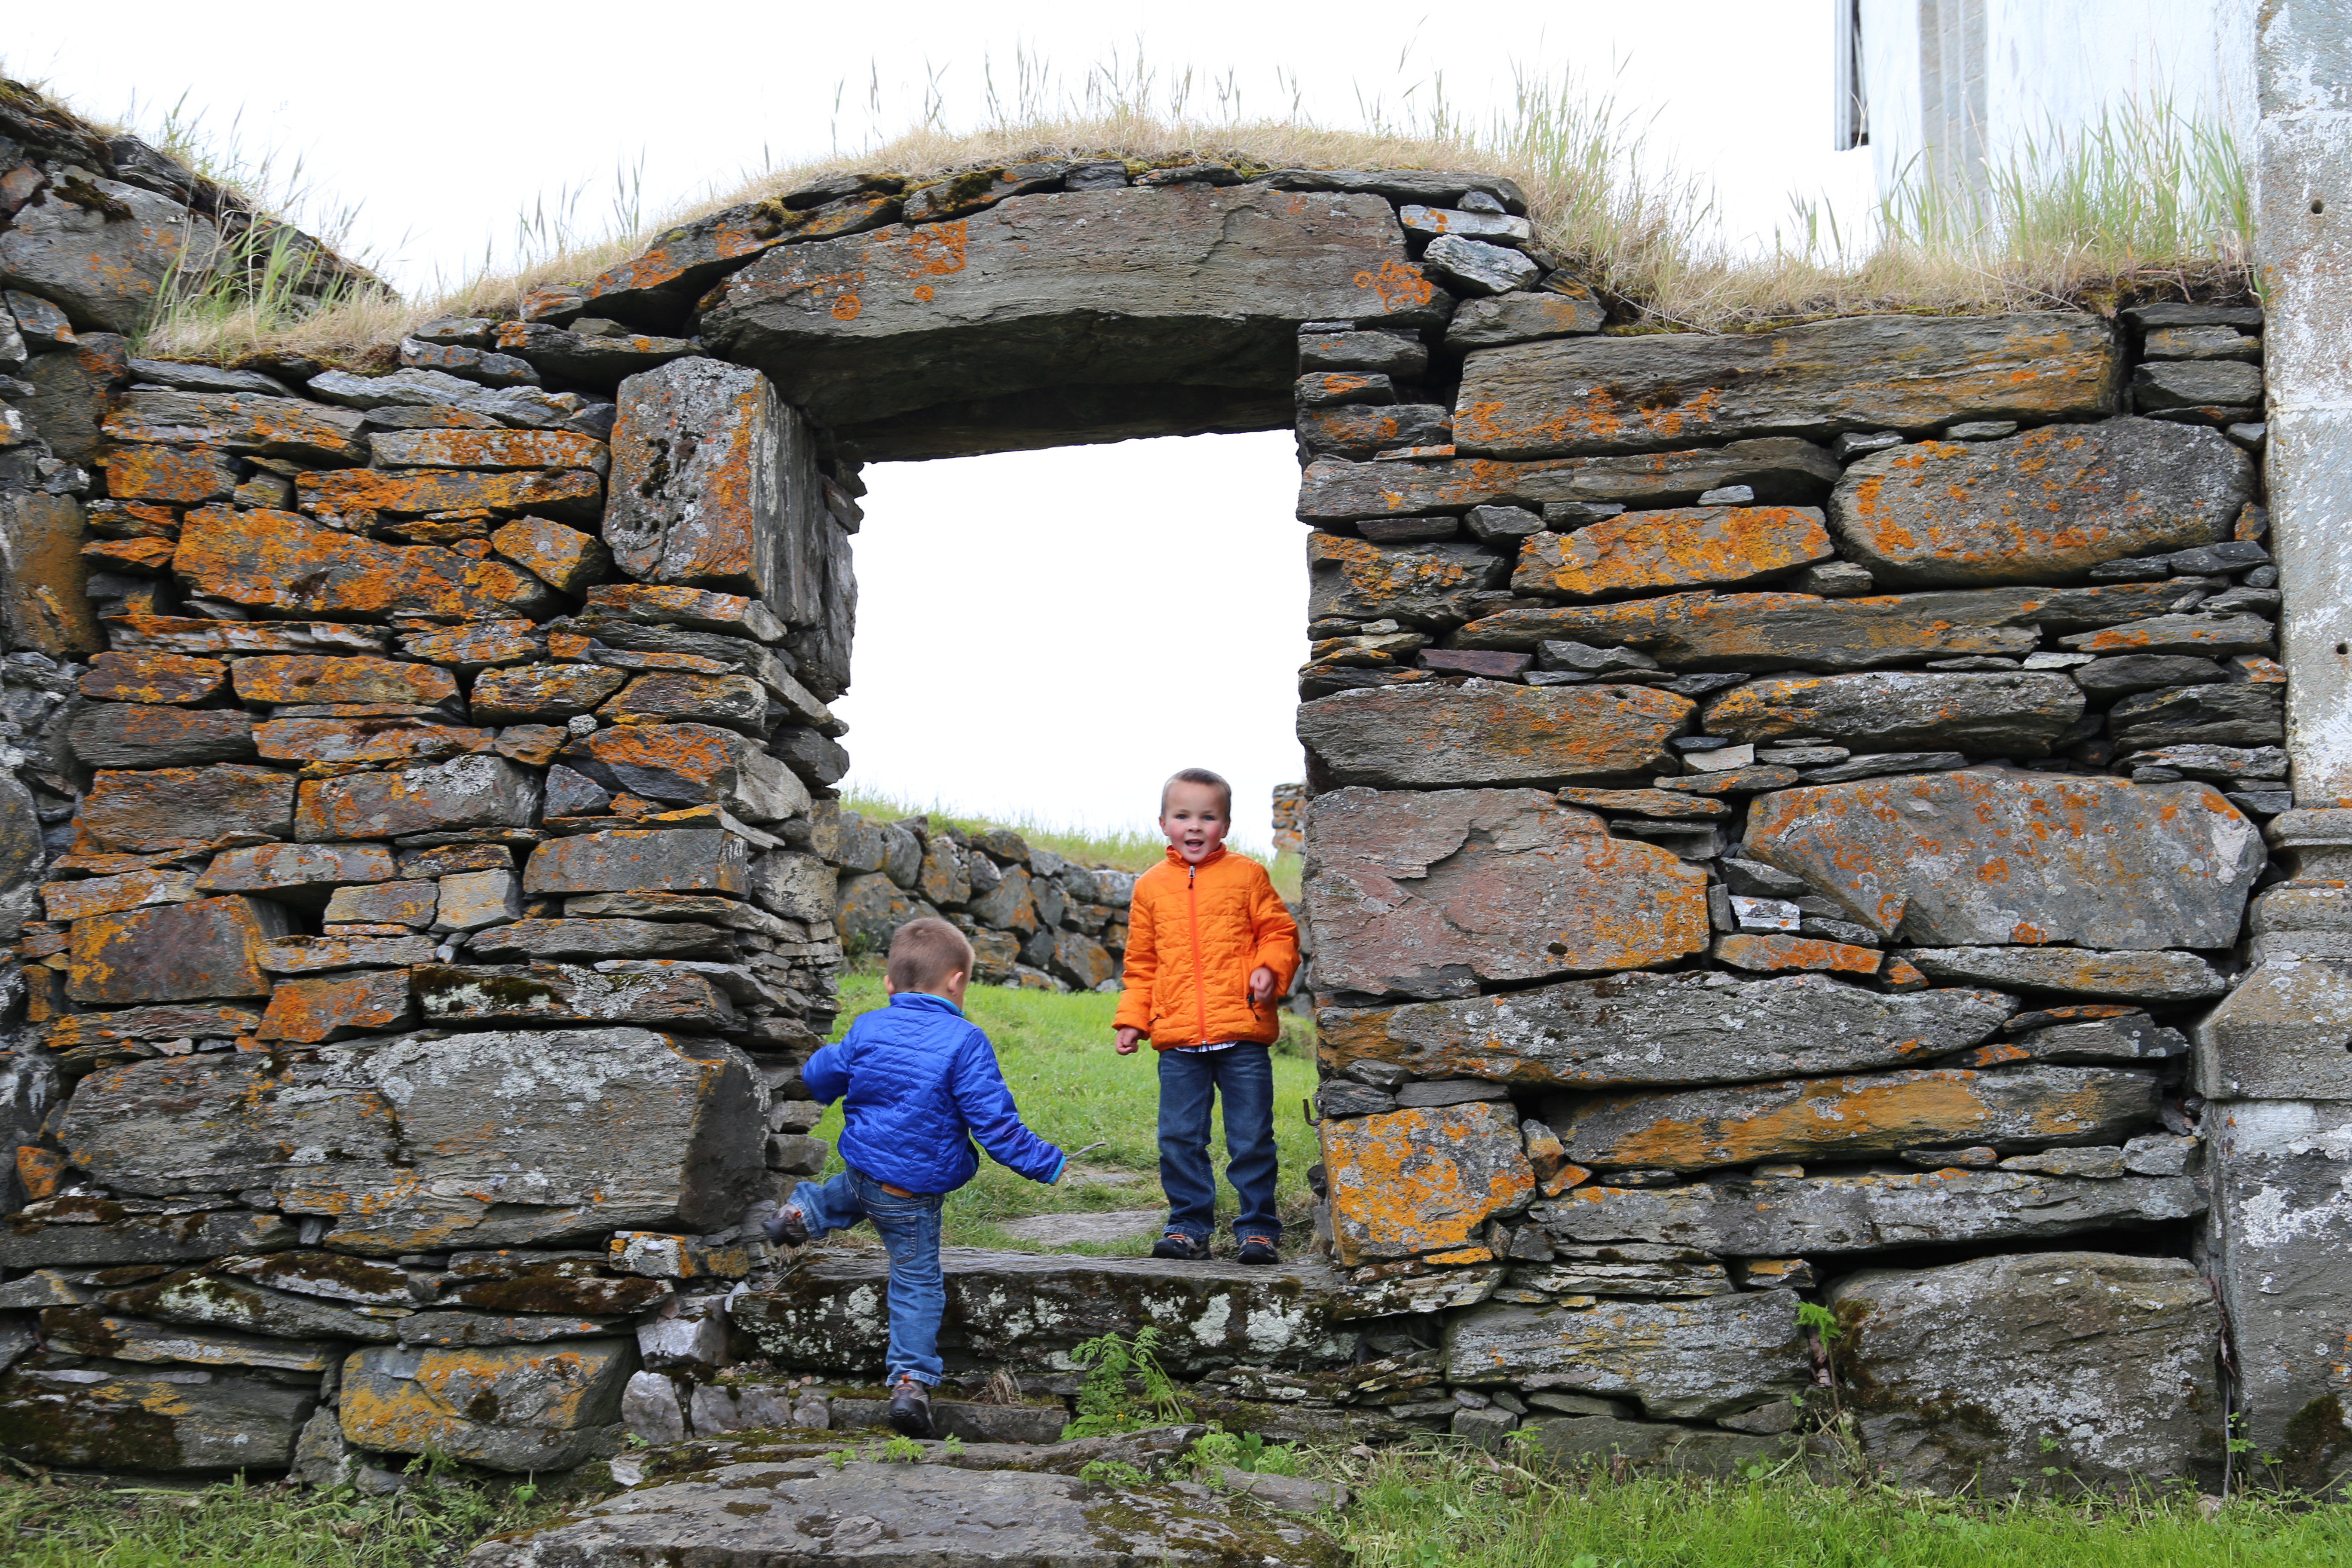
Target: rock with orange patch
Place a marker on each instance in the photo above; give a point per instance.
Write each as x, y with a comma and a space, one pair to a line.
190, 635
337, 1007
564, 558
100, 250
1362, 430
659, 284
736, 702
169, 474
1867, 372
241, 422
2140, 975
715, 486
1772, 953
1989, 855
1847, 1118
174, 952
387, 740
1690, 1360
2043, 506
296, 873
280, 561
1432, 893
543, 694
568, 495
44, 604
1482, 733
504, 1407
2006, 712
169, 808
1422, 1181
304, 678
1780, 469
1425, 585
1702, 1026
634, 860
168, 1419
691, 764
434, 798
1640, 551
152, 678
1154, 293
489, 449
506, 1139
219, 1123
78, 901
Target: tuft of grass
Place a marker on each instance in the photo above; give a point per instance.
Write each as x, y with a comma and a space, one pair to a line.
1073, 1089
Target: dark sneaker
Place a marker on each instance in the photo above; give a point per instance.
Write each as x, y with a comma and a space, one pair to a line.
786, 1226
1259, 1249
910, 1408
1177, 1245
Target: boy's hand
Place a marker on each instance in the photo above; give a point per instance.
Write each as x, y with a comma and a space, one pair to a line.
1126, 1041
1261, 985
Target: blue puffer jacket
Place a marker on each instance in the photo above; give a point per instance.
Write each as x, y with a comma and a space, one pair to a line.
919, 1082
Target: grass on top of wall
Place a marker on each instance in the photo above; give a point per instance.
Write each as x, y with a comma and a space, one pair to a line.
2148, 201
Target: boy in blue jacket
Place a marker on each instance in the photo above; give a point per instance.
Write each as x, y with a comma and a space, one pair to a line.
917, 1083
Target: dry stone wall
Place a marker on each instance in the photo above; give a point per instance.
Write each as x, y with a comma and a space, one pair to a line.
1781, 820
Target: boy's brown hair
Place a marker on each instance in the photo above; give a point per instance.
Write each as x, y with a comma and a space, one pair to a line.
924, 952
1198, 776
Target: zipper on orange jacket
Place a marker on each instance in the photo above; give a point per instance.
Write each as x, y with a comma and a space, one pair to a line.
1199, 972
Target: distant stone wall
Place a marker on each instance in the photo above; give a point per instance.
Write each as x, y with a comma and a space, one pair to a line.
1780, 820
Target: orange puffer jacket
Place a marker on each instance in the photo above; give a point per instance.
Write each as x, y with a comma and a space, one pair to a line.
1194, 934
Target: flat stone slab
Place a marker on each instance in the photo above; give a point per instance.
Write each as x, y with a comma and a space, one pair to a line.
768, 1513
1027, 1311
1683, 1360
1490, 732
1109, 1224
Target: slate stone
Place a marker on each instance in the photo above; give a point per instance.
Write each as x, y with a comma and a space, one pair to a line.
691, 764
1423, 584
1428, 894
278, 562
2130, 976
2209, 635
1698, 1027
1490, 733
2280, 1034
543, 694
2109, 1358
100, 1232
91, 1331
2008, 714
1628, 1268
241, 422
337, 1007
873, 906
1363, 432
2041, 507
351, 495
89, 1418
1474, 267
431, 797
568, 994
171, 808
308, 678
1819, 1215
392, 739
2125, 673
1693, 1360
215, 1123
105, 259
1847, 1118
509, 1408
527, 940
2196, 384
204, 1298
328, 1275
152, 678
1391, 353
1198, 285
1782, 470
296, 873
2133, 1038
1423, 1180
1527, 316
1902, 372
1989, 855
1640, 551
736, 701
174, 952
2235, 715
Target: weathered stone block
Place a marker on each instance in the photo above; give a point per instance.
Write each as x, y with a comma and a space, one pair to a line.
568, 994
527, 940
152, 678
1736, 1217
1779, 469
278, 561
1429, 894
410, 904
93, 1332
337, 1007
2093, 1369
433, 798
296, 872
1488, 732
241, 422
92, 896
1704, 1027
1694, 1360
137, 735
2250, 715
2211, 636
691, 764
543, 694
568, 495
1998, 713
506, 1407
1990, 856
219, 1123
1425, 585
191, 1420
2280, 1034
1774, 952
2048, 504
392, 739
1870, 372
169, 474
95, 1231
564, 558
1422, 1181
626, 861
169, 808
303, 678
104, 258
1846, 1118
2131, 976
487, 449
736, 702
871, 907
174, 952
1644, 550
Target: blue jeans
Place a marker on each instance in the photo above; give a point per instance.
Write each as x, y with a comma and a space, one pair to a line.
1189, 1082
909, 1228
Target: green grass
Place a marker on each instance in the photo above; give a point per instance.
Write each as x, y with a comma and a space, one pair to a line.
1073, 1089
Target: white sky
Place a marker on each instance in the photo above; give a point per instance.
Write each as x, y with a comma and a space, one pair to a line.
1041, 632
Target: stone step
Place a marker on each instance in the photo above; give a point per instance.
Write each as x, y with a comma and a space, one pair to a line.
1025, 1313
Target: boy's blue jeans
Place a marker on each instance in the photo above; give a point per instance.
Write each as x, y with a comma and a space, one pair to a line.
909, 1228
1189, 1082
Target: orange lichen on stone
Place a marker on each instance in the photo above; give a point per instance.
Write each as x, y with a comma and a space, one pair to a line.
39, 1170
110, 895
175, 952
1768, 953
1685, 547
1422, 1181
569, 494
337, 1006
313, 677
489, 449
170, 474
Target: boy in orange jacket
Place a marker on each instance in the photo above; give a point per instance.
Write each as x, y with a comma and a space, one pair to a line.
1209, 950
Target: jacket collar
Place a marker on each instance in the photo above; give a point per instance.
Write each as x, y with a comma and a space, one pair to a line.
1211, 858
925, 1002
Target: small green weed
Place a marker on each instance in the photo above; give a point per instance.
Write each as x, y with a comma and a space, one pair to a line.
1111, 1473
1107, 1401
1219, 1449
901, 1449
